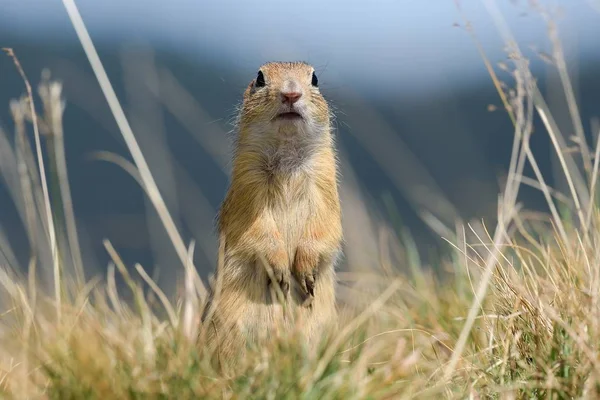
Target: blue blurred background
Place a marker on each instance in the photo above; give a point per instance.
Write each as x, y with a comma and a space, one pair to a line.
412, 96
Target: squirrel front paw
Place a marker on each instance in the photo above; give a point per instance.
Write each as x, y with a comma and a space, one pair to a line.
306, 279
304, 270
282, 277
280, 271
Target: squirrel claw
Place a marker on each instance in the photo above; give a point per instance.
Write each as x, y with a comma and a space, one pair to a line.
310, 284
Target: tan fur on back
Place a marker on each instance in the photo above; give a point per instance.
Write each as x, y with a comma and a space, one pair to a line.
282, 206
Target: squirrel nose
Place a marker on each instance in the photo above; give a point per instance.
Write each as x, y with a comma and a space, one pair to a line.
290, 97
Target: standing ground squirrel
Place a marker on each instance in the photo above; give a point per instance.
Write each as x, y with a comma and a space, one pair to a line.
283, 208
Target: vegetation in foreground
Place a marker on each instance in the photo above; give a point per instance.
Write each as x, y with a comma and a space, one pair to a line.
515, 314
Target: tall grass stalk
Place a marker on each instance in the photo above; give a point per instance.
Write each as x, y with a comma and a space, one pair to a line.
140, 162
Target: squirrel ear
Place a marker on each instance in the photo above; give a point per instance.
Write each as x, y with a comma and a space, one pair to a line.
260, 80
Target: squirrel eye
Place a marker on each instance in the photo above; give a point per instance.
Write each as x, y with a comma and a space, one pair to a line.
260, 80
315, 81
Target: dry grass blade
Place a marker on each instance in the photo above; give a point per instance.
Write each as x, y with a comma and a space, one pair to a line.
165, 301
547, 195
122, 162
190, 298
561, 158
594, 180
127, 133
51, 95
561, 65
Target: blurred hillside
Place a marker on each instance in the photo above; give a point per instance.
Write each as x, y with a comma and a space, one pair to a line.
443, 153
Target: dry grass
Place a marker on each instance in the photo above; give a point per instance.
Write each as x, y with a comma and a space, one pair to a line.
516, 314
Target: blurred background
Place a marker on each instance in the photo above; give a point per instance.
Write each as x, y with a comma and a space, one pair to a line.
421, 131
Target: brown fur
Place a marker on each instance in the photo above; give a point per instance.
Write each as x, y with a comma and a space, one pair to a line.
282, 206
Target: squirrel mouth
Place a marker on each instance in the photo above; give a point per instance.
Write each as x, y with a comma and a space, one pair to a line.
290, 115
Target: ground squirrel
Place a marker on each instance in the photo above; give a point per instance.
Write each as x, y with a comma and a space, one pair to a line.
282, 207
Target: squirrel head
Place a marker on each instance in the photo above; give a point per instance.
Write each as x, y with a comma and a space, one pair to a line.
284, 100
